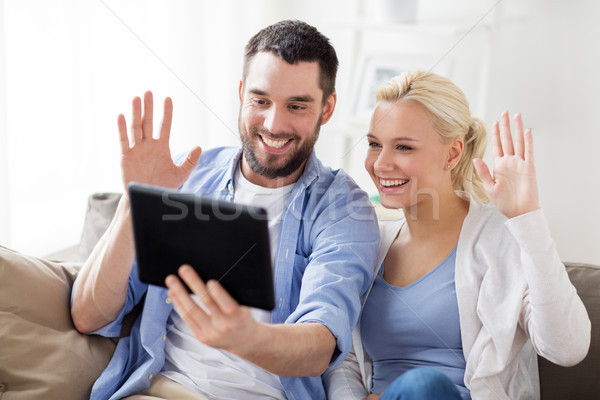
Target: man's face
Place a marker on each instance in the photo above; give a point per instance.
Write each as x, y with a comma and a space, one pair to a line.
281, 112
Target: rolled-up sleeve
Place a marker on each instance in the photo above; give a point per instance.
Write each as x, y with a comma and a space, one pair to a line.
135, 292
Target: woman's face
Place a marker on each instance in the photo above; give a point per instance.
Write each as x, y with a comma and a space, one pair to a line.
407, 159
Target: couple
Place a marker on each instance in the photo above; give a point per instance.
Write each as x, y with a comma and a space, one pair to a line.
325, 252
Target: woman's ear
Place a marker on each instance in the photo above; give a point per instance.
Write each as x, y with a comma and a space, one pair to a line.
455, 152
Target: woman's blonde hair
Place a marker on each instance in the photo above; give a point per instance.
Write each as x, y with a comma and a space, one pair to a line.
451, 119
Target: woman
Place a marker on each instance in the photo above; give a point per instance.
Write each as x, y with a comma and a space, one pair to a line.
464, 294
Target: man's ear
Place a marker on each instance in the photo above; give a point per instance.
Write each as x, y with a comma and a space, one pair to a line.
329, 107
455, 152
241, 90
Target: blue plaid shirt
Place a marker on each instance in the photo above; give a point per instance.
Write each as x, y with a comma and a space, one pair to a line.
324, 264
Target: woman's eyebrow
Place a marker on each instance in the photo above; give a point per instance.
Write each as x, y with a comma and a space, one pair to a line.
399, 138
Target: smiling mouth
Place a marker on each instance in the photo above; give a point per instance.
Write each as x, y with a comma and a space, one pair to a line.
393, 182
276, 144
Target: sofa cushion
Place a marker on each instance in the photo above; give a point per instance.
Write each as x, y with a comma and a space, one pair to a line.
101, 209
42, 356
581, 381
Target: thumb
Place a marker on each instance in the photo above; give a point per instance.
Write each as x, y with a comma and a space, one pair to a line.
484, 173
191, 160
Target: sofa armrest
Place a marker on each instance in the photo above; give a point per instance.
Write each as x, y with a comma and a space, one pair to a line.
580, 381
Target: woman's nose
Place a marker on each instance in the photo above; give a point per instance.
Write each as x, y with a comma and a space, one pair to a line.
383, 162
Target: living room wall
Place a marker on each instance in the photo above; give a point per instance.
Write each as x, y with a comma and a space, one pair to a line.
71, 67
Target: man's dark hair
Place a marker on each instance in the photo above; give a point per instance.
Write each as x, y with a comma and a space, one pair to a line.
294, 41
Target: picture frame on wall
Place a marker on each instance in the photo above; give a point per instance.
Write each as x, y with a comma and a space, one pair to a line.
378, 68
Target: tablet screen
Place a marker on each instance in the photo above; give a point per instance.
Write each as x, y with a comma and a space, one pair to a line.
221, 240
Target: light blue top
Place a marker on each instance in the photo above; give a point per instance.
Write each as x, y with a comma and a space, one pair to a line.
324, 263
414, 326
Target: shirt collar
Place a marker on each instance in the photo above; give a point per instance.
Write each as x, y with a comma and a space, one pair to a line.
310, 174
230, 174
311, 171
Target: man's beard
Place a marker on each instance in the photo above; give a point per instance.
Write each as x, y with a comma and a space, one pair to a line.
295, 160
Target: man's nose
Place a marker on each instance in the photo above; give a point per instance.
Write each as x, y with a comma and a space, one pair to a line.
275, 120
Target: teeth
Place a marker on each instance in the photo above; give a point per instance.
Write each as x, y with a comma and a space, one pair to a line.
277, 144
393, 182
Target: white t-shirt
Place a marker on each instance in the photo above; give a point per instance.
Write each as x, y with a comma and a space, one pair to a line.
216, 373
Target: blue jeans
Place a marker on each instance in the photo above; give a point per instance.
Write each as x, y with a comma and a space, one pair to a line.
422, 384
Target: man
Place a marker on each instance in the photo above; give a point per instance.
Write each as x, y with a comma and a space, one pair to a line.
323, 229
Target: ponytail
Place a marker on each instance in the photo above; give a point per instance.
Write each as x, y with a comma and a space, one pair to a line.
464, 175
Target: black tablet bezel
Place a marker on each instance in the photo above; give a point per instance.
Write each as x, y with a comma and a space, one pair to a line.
221, 240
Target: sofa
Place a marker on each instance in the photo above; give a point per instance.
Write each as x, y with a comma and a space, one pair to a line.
42, 356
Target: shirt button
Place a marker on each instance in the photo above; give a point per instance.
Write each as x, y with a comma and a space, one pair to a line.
150, 377
168, 300
280, 302
164, 338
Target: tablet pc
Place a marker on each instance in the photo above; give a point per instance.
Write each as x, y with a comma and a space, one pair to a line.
221, 240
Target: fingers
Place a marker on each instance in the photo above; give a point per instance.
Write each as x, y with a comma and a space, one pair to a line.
484, 173
165, 127
519, 145
212, 294
502, 141
191, 160
222, 298
496, 144
184, 303
505, 136
136, 122
528, 152
179, 294
148, 115
213, 300
142, 126
123, 138
191, 278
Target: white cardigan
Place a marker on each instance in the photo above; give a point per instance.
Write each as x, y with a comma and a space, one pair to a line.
514, 299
